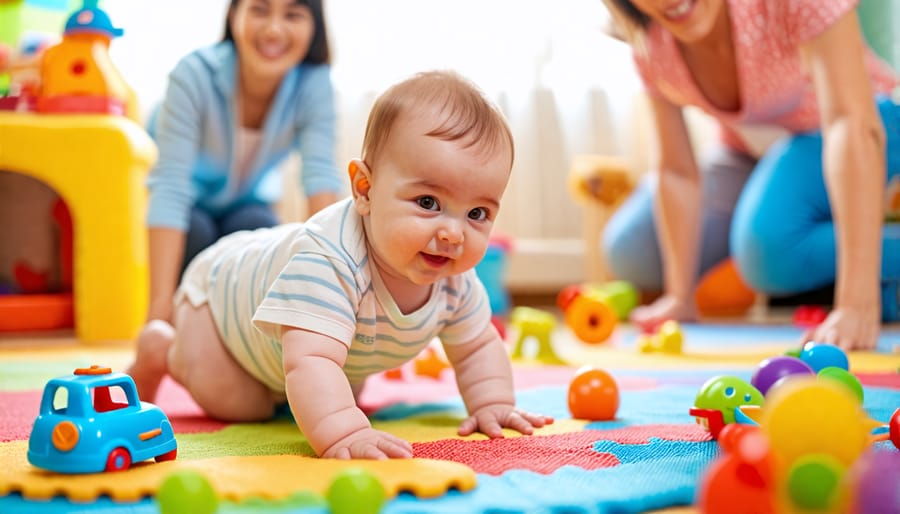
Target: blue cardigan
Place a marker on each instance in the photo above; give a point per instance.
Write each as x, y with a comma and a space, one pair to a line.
195, 128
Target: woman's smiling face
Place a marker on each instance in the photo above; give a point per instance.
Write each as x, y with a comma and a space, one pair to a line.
271, 36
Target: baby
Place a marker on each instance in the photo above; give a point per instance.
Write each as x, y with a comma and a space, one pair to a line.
303, 313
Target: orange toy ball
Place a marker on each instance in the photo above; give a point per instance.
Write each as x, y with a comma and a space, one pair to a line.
722, 291
593, 395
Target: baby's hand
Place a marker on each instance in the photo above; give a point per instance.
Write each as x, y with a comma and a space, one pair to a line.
491, 419
369, 443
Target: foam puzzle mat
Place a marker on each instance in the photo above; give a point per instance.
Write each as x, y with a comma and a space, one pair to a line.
652, 456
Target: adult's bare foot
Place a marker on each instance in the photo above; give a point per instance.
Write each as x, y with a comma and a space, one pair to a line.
151, 361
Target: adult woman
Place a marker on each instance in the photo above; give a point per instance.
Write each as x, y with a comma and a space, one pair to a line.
811, 213
231, 113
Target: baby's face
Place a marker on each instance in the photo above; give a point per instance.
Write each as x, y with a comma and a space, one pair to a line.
432, 204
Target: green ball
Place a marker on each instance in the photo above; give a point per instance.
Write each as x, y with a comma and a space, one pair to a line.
355, 491
844, 377
794, 352
186, 492
306, 499
813, 480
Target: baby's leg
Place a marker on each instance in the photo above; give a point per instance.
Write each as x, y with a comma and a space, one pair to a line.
151, 363
199, 361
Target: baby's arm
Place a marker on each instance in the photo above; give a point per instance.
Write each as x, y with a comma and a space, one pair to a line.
322, 401
484, 378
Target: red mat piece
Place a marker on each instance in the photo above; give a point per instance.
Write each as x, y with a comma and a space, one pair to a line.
546, 454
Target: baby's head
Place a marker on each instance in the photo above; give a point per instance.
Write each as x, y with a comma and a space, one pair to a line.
461, 112
436, 160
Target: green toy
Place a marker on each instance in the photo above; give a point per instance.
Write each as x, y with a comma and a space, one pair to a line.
355, 491
186, 492
725, 394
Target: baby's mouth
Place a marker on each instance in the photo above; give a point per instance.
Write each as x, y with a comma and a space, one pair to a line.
435, 260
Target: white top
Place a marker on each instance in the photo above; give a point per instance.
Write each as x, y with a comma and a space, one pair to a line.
317, 276
247, 146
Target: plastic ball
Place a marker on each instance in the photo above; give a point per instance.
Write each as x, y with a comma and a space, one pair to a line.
808, 316
812, 481
355, 491
725, 394
593, 395
875, 483
894, 429
820, 356
722, 292
772, 369
845, 378
186, 492
793, 352
806, 416
732, 484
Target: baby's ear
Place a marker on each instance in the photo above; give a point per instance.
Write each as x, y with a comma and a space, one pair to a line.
360, 185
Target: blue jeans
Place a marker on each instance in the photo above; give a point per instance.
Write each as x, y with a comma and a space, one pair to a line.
205, 229
776, 221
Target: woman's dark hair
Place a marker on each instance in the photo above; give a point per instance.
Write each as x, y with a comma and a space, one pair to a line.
632, 13
319, 52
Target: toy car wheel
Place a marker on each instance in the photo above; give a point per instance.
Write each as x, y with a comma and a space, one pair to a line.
167, 456
118, 460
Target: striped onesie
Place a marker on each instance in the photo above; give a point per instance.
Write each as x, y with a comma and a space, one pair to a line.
317, 276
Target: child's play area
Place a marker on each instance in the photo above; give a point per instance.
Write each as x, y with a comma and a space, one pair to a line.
743, 395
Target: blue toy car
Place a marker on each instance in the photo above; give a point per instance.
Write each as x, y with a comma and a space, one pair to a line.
93, 421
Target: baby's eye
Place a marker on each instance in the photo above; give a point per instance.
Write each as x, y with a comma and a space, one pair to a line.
478, 214
427, 203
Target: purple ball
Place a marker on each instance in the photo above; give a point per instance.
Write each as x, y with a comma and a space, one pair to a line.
877, 483
774, 368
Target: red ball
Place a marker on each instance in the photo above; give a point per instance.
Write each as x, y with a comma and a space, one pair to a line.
593, 395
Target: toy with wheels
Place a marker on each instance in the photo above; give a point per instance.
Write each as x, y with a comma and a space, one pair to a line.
93, 421
620, 295
721, 400
807, 454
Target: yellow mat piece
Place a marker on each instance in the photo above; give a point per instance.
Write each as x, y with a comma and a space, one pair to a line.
272, 477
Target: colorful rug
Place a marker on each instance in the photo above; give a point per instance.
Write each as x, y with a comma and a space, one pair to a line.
650, 457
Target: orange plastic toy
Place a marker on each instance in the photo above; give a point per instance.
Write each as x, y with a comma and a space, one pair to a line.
593, 395
77, 73
590, 318
722, 292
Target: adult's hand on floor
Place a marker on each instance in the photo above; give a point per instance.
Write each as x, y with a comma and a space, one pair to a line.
848, 328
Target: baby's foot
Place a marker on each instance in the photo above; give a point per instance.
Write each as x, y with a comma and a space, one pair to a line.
151, 362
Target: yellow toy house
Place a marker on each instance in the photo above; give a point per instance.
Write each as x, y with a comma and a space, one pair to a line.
96, 160
98, 165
